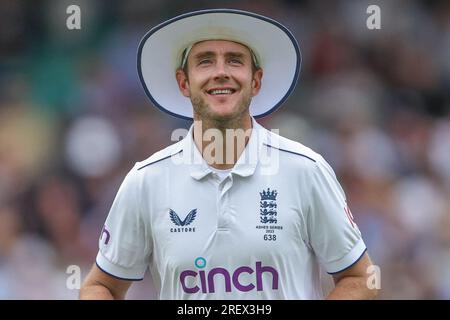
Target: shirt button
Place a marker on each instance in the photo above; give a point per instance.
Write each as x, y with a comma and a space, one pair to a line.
223, 224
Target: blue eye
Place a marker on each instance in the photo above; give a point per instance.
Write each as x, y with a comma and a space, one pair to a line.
205, 61
235, 61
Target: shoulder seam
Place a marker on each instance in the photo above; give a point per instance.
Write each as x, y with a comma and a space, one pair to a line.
148, 164
296, 153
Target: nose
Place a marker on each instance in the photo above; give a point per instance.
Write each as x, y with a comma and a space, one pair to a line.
221, 71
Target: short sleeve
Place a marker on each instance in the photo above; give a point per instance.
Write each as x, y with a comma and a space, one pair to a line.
333, 235
124, 244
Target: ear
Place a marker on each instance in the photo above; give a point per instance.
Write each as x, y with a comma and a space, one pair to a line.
256, 81
183, 83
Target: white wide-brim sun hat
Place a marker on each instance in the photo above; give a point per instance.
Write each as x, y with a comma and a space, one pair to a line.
161, 49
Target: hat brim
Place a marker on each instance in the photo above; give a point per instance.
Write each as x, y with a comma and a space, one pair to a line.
276, 49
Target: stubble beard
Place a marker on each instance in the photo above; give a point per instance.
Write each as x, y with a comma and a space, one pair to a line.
208, 119
234, 120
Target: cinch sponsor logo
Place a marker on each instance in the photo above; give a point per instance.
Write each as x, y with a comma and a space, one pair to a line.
205, 280
106, 233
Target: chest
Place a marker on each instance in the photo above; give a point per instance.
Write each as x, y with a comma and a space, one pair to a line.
237, 218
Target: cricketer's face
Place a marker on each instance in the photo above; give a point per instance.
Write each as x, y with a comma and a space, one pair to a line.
220, 81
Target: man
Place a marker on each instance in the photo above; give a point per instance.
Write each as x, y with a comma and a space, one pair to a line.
253, 217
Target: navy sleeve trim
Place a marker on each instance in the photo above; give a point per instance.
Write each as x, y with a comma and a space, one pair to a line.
365, 250
148, 164
299, 154
110, 274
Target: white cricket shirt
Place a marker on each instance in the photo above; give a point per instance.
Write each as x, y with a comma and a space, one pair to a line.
261, 233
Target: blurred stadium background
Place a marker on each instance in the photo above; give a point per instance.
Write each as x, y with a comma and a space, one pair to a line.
74, 119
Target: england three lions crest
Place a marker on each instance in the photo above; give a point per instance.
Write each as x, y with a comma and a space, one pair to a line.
268, 206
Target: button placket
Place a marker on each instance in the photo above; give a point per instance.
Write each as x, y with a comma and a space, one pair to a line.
222, 203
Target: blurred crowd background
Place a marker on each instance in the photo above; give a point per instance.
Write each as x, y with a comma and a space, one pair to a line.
74, 119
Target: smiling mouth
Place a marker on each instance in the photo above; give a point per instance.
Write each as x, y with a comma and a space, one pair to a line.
216, 92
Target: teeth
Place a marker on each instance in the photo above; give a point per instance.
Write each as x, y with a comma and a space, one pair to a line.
222, 91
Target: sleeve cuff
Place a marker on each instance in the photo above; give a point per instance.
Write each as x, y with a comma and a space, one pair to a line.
130, 274
348, 260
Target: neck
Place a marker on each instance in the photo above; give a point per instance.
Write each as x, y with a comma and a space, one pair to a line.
221, 142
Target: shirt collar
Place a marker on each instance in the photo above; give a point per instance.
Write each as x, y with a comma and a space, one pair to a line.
244, 167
